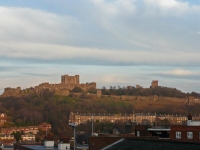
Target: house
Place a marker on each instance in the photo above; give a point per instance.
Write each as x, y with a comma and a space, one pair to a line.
44, 126
3, 118
28, 137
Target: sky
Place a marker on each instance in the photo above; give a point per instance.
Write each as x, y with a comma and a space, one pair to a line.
111, 42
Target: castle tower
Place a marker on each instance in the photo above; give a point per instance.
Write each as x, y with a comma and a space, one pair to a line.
99, 93
66, 79
154, 83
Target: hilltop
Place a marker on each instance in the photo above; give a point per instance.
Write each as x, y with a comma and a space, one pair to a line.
72, 84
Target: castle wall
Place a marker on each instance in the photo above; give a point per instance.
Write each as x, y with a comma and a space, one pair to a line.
83, 95
15, 90
87, 86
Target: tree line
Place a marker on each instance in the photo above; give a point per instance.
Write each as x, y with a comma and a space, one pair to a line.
159, 91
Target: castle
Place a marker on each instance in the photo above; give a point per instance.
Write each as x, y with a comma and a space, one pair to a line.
67, 84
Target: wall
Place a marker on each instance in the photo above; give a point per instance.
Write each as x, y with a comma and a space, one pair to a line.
184, 130
142, 129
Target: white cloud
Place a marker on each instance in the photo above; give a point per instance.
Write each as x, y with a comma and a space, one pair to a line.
25, 24
179, 72
116, 7
29, 33
111, 78
60, 52
171, 7
168, 3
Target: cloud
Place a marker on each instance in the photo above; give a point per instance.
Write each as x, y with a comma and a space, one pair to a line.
180, 72
121, 37
31, 25
167, 3
116, 7
171, 7
111, 78
51, 52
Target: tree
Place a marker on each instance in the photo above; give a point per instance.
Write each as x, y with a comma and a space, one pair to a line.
17, 135
77, 89
92, 90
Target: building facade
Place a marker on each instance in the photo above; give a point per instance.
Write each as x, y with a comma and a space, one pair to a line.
3, 119
25, 130
28, 137
185, 133
44, 126
79, 118
138, 118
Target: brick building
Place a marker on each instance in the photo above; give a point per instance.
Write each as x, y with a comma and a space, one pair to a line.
185, 133
28, 137
44, 126
3, 119
28, 129
139, 118
79, 118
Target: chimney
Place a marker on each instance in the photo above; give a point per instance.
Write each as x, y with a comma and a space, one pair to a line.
189, 116
189, 119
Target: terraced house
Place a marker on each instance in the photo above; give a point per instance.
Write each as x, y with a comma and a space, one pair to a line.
138, 118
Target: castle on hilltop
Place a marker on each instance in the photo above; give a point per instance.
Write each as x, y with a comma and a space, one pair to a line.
67, 84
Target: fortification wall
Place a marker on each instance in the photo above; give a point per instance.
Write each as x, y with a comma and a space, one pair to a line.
148, 98
83, 95
87, 86
63, 92
12, 90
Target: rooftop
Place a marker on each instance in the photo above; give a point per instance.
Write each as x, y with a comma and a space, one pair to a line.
141, 144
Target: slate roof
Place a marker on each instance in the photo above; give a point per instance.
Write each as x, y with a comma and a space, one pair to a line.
139, 144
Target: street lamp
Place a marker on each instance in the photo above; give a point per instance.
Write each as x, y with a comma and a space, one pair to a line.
92, 124
74, 126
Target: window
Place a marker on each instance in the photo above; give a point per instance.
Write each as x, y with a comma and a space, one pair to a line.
190, 135
178, 135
